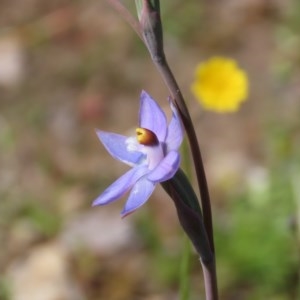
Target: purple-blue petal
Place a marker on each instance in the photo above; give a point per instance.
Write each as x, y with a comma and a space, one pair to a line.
139, 194
121, 186
166, 169
116, 145
152, 117
175, 131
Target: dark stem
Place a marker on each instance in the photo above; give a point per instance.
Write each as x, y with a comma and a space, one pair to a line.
179, 102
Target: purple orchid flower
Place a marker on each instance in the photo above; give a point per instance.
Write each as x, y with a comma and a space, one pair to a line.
153, 155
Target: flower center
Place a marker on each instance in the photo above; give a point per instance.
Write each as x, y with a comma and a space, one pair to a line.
151, 146
146, 137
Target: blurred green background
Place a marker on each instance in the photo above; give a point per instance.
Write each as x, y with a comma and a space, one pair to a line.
67, 67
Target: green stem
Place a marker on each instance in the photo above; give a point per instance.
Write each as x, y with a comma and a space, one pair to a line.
185, 266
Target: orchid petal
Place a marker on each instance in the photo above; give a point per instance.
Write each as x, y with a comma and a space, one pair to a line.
152, 117
116, 145
166, 168
121, 186
175, 131
139, 194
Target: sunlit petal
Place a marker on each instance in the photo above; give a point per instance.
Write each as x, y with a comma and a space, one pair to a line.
166, 168
116, 145
175, 131
152, 117
139, 194
121, 186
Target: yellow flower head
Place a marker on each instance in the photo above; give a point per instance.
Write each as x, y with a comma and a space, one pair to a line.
220, 85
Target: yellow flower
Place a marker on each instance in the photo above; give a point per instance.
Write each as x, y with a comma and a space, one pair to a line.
220, 85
